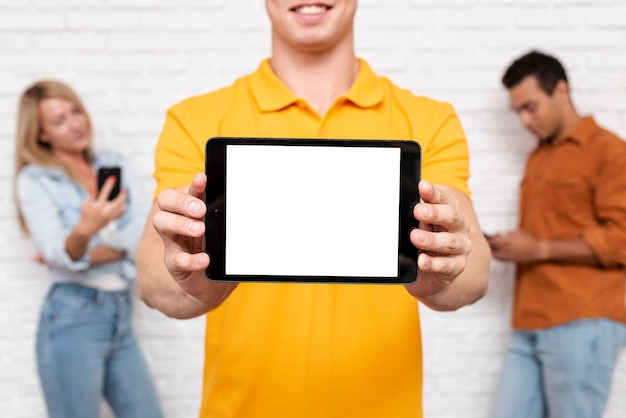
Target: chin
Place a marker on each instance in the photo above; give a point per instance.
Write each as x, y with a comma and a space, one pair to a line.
311, 44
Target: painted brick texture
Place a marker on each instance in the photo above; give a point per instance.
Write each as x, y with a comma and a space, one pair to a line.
131, 59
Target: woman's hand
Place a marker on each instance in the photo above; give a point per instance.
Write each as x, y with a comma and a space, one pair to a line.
98, 211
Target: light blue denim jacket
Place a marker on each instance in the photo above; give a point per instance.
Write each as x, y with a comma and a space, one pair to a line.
50, 202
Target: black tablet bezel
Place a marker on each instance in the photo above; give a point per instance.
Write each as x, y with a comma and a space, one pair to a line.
215, 218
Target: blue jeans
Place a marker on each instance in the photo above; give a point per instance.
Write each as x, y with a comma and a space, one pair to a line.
86, 350
564, 371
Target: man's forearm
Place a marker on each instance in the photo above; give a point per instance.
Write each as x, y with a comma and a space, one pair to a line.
566, 251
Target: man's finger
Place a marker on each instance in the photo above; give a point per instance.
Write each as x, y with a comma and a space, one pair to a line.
449, 267
170, 224
198, 184
439, 242
433, 194
182, 262
449, 217
175, 201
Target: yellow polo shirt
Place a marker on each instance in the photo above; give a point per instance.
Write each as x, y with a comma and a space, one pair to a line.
312, 350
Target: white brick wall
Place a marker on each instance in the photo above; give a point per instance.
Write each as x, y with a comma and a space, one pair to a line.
131, 59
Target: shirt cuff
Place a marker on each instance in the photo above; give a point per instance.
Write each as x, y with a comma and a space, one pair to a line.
66, 261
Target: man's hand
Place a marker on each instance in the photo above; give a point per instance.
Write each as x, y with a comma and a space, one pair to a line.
518, 246
179, 223
177, 218
448, 234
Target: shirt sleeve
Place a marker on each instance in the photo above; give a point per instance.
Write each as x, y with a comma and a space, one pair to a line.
179, 154
445, 155
608, 237
44, 224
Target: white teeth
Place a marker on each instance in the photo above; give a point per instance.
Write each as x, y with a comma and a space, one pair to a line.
311, 10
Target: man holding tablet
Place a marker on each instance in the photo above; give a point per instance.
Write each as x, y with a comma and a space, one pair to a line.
287, 349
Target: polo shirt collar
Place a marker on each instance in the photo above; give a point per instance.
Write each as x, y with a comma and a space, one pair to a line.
272, 94
367, 89
269, 92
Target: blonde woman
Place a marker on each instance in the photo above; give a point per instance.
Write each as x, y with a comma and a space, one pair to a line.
86, 348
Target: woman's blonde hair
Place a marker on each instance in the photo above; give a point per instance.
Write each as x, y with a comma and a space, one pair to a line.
29, 149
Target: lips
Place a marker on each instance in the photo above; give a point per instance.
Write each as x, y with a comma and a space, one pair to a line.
80, 135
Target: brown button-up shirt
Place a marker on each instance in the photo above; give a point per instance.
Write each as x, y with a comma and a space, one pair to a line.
571, 189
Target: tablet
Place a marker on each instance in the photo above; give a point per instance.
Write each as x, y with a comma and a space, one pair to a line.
311, 210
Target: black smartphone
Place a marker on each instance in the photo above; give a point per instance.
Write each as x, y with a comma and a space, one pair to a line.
106, 172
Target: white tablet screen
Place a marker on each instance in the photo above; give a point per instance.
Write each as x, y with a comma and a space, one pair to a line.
312, 210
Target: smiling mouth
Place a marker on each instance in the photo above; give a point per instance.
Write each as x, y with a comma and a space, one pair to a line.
311, 9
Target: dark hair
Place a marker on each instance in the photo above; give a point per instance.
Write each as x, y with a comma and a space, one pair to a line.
545, 68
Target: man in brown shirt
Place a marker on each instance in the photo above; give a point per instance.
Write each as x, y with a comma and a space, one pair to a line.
568, 315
